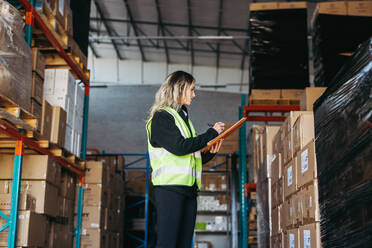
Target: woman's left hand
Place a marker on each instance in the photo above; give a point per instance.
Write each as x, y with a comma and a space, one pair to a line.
216, 147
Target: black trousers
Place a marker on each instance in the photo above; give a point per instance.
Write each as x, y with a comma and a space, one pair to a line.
176, 214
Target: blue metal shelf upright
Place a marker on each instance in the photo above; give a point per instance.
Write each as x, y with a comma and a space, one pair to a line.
21, 140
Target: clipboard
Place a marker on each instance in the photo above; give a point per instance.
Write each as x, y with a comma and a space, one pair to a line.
226, 133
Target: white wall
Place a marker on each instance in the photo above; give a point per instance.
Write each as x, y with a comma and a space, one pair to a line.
112, 71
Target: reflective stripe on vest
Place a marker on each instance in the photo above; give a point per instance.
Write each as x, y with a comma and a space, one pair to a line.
170, 169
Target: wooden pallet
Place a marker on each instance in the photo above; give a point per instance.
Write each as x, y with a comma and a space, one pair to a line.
7, 146
274, 102
57, 29
252, 239
67, 155
15, 115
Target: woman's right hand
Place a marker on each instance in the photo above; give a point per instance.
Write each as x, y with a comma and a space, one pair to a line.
219, 127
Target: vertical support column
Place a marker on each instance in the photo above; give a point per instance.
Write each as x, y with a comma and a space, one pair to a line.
147, 199
17, 175
79, 213
85, 123
243, 178
29, 25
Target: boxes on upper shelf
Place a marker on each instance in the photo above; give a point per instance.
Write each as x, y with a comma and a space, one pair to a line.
46, 120
292, 238
309, 96
58, 126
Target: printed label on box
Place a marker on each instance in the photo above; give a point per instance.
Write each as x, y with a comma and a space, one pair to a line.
307, 241
304, 161
289, 173
291, 240
94, 225
311, 201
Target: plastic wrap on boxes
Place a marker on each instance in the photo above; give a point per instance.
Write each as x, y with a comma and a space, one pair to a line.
343, 117
335, 37
15, 57
279, 49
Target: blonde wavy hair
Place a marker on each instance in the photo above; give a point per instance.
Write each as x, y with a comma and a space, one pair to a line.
172, 91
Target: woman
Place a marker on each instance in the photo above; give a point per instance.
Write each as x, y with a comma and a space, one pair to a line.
176, 160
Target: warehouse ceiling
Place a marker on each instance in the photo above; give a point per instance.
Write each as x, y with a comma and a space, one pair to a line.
172, 31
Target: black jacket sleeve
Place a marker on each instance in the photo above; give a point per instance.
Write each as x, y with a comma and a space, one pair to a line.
165, 133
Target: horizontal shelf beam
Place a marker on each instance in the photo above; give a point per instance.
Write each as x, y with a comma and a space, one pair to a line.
5, 128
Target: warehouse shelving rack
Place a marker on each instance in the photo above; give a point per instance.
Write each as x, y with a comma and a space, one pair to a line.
140, 157
21, 140
244, 187
228, 212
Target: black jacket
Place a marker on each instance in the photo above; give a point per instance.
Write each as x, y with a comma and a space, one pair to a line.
165, 133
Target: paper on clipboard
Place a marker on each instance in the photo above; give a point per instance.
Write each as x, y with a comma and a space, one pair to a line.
226, 133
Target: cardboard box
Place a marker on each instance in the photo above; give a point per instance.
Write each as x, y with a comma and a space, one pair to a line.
287, 149
96, 172
309, 96
35, 167
95, 195
310, 236
269, 134
359, 8
229, 146
26, 202
276, 168
275, 221
265, 94
303, 131
306, 161
58, 130
310, 202
46, 196
37, 88
294, 94
46, 120
297, 198
64, 207
282, 224
277, 142
30, 231
36, 110
94, 238
280, 191
60, 12
292, 239
333, 8
274, 195
286, 218
93, 217
119, 163
290, 120
67, 189
290, 178
38, 62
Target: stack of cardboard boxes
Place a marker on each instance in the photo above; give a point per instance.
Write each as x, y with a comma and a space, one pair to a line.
103, 207
46, 202
263, 150
295, 207
61, 11
61, 90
